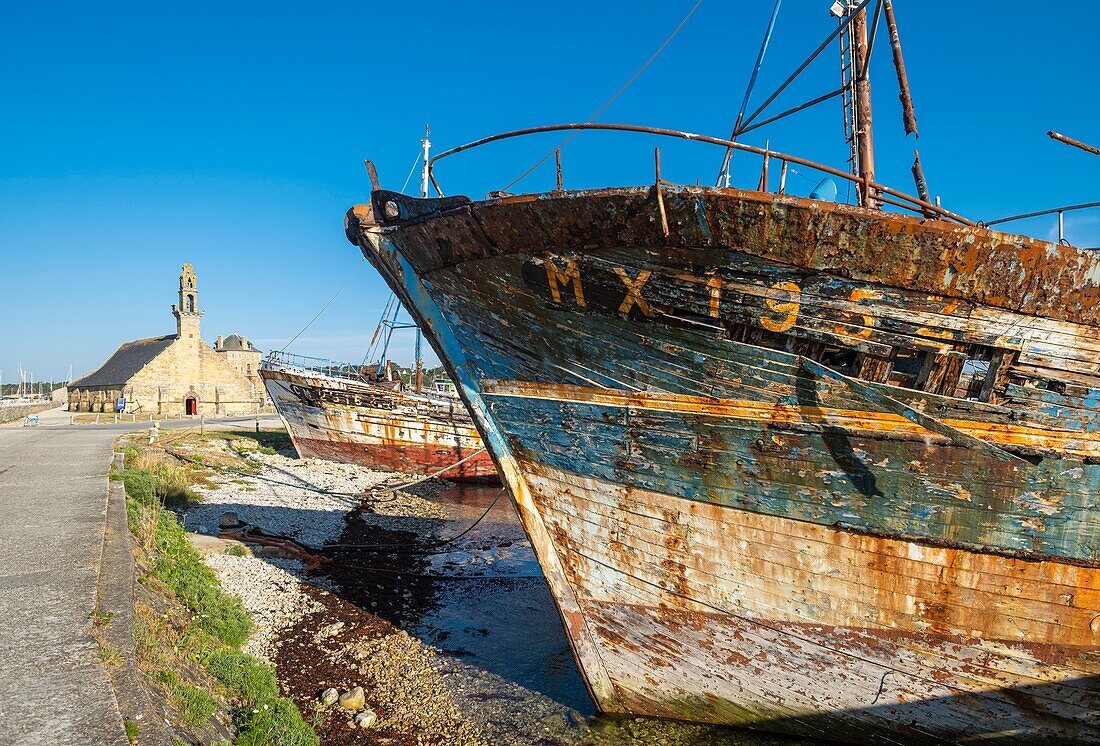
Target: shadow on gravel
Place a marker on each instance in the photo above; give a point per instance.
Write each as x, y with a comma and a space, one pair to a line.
497, 616
480, 600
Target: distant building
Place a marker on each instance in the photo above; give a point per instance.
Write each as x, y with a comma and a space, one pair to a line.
177, 373
242, 356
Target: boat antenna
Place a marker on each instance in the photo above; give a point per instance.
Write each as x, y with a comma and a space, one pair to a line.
1075, 143
724, 173
426, 145
419, 362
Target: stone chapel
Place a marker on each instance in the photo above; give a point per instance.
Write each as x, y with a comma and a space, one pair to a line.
177, 373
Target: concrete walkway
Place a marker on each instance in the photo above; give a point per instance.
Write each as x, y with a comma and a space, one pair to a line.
53, 499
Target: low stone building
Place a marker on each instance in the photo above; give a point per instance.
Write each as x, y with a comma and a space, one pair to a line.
174, 374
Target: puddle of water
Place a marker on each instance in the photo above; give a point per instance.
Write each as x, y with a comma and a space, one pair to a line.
483, 600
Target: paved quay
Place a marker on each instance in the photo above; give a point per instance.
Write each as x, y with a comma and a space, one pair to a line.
53, 507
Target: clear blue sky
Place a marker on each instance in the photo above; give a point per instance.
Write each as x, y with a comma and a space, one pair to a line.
139, 136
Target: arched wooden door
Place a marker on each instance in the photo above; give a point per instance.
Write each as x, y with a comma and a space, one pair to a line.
191, 405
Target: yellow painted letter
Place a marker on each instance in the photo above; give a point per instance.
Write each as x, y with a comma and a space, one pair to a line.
572, 274
714, 285
788, 309
633, 291
868, 326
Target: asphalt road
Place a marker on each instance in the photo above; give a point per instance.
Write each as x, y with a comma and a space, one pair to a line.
53, 500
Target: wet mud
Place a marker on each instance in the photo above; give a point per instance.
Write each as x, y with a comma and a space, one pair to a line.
468, 588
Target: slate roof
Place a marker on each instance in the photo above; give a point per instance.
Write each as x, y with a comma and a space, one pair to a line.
234, 343
127, 360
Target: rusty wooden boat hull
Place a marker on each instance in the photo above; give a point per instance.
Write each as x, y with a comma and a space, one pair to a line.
805, 467
372, 426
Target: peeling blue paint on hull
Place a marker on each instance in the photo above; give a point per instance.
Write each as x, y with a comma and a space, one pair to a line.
734, 531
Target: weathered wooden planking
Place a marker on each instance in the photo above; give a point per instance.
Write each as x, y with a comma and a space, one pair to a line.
958, 643
472, 288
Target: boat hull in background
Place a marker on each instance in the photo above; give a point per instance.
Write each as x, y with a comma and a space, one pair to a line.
372, 426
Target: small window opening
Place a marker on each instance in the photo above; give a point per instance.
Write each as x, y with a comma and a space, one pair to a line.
840, 359
975, 371
906, 367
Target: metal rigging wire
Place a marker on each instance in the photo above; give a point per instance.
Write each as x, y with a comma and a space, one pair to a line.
325, 308
611, 100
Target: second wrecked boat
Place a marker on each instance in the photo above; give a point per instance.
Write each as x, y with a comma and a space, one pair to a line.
367, 415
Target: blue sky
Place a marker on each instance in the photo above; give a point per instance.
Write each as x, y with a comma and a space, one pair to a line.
139, 136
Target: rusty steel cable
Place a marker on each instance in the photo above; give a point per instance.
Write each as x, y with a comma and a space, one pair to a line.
416, 162
427, 547
611, 100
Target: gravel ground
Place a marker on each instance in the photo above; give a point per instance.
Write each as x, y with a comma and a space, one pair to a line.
302, 499
270, 592
329, 628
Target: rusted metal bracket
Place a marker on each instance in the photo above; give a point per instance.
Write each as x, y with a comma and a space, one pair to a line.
557, 161
391, 208
657, 184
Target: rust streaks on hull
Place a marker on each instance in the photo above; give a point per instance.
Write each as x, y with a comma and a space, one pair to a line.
376, 428
754, 618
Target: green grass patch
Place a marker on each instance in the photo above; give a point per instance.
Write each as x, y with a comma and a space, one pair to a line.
101, 618
194, 704
265, 717
276, 721
132, 730
109, 654
243, 676
218, 623
195, 585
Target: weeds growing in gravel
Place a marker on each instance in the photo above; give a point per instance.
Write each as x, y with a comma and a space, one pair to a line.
217, 626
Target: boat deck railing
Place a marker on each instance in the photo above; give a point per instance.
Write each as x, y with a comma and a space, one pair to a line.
1059, 211
331, 368
879, 192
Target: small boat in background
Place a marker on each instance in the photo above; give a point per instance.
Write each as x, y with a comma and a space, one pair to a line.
367, 415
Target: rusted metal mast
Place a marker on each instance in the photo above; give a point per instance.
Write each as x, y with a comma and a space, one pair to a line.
1075, 143
427, 145
909, 117
863, 109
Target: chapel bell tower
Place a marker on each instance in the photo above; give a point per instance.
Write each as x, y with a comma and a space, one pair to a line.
187, 313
